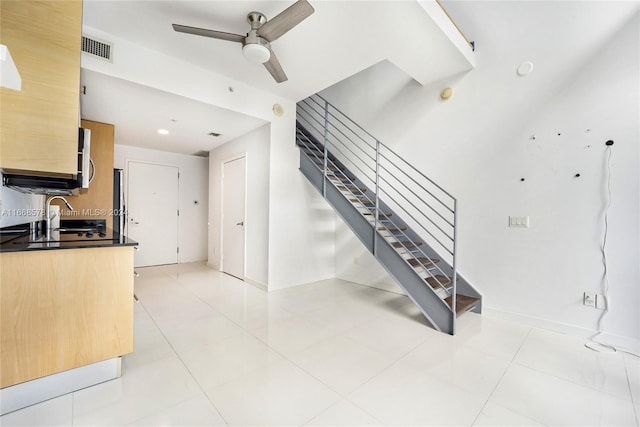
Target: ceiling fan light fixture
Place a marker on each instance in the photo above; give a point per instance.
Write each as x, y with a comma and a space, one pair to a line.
255, 52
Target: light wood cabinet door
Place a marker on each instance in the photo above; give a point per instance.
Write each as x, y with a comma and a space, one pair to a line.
62, 309
39, 124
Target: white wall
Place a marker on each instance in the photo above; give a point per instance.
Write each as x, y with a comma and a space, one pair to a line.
300, 224
478, 145
255, 146
193, 186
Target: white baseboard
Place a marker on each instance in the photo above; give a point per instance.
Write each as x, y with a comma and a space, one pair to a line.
257, 284
626, 343
35, 391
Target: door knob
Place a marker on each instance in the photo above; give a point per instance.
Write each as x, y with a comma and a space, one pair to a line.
240, 223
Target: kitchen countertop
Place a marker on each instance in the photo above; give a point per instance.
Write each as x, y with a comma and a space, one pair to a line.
19, 238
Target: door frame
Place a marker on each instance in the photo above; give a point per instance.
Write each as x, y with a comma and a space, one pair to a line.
223, 162
125, 178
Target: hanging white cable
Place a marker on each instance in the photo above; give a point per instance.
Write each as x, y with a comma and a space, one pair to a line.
592, 344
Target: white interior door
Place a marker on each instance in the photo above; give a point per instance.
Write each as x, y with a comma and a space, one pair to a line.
152, 207
233, 211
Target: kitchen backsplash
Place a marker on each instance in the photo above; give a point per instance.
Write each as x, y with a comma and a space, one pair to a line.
18, 208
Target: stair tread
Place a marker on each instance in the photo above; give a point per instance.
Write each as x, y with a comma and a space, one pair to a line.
364, 201
341, 178
444, 281
392, 228
422, 261
402, 245
330, 166
463, 303
384, 217
352, 188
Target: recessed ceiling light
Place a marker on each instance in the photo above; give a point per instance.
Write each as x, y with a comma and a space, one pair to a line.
163, 132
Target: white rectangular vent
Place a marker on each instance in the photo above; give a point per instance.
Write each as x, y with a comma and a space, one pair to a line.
97, 48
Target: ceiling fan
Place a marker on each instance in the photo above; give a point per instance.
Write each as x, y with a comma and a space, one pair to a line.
256, 45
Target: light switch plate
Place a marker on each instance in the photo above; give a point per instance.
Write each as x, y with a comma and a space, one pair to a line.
519, 221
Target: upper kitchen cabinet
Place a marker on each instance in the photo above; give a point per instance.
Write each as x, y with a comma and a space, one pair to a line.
39, 124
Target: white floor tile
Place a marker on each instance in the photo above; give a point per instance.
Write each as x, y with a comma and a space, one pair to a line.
169, 315
554, 401
566, 357
211, 349
401, 396
344, 413
632, 364
278, 394
138, 393
394, 338
197, 411
228, 360
292, 335
491, 336
442, 357
195, 334
341, 363
493, 415
54, 412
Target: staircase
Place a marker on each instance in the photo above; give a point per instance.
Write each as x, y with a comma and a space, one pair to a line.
407, 221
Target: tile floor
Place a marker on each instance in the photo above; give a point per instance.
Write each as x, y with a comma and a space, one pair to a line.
212, 350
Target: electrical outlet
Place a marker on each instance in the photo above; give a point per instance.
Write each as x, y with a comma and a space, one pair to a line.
589, 299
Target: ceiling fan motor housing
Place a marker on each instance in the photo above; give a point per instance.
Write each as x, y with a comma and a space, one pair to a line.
256, 19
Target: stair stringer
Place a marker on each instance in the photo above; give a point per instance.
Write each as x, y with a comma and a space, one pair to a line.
309, 139
437, 311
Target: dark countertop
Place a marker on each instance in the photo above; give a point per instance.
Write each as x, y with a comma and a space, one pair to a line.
19, 238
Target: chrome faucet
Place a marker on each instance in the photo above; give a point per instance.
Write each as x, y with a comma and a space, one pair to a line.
47, 212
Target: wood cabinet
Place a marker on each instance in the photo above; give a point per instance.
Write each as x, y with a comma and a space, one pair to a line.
39, 124
96, 201
62, 309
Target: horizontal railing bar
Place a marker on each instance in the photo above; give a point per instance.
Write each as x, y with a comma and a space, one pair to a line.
422, 226
418, 209
414, 180
418, 222
306, 109
311, 98
351, 141
300, 117
344, 115
418, 197
414, 168
354, 163
372, 146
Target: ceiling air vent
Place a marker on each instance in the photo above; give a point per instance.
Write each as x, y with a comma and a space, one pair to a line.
97, 48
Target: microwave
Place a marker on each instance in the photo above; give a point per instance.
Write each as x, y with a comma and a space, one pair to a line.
38, 183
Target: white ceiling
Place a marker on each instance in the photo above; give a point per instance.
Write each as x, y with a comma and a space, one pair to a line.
138, 112
340, 39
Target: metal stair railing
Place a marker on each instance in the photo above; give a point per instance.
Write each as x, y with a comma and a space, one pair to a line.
427, 210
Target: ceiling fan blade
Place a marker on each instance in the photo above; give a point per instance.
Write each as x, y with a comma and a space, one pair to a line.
286, 20
275, 69
209, 33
